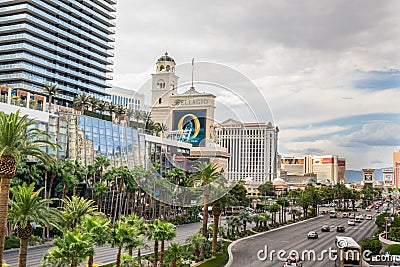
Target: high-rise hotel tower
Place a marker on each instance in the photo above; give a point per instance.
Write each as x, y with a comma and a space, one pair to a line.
63, 42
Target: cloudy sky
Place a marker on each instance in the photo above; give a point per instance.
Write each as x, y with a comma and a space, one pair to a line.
329, 70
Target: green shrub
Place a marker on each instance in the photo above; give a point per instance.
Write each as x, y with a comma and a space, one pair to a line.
11, 242
393, 249
37, 231
373, 244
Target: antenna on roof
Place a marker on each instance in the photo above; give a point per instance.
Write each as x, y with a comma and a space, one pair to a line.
192, 71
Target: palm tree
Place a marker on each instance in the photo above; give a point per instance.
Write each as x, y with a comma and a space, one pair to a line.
71, 250
283, 203
197, 242
118, 238
74, 209
27, 206
206, 173
129, 114
236, 223
257, 219
295, 213
134, 222
93, 102
273, 209
119, 111
111, 108
50, 90
264, 219
166, 233
137, 115
153, 234
82, 101
246, 218
174, 251
99, 228
18, 138
102, 106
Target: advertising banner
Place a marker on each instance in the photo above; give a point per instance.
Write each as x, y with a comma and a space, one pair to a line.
191, 124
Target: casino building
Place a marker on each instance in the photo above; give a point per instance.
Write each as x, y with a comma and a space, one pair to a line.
188, 116
253, 148
329, 169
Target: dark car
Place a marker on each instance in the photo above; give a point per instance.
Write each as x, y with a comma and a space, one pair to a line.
340, 229
326, 228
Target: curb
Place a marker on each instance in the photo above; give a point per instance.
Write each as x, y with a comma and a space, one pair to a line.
230, 261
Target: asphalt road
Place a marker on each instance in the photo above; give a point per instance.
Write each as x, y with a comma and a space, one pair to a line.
294, 237
104, 254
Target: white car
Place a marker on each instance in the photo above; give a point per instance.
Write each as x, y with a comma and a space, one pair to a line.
368, 217
367, 209
351, 222
357, 219
312, 235
292, 261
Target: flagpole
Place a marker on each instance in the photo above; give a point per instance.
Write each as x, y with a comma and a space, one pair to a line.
192, 71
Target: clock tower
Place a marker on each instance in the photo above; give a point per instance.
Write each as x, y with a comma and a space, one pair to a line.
164, 85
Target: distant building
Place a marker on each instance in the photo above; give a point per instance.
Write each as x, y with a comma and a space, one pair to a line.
126, 97
328, 168
396, 167
253, 149
388, 177
368, 177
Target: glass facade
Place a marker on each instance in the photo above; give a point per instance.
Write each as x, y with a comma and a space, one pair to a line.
83, 138
64, 42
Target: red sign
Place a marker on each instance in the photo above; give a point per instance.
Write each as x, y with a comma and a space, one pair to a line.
327, 160
341, 163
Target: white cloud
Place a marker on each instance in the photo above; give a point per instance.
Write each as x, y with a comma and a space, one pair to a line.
303, 55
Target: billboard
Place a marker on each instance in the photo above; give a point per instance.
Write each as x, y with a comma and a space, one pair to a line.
388, 178
191, 124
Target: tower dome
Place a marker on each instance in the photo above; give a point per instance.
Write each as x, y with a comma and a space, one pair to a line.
165, 64
165, 57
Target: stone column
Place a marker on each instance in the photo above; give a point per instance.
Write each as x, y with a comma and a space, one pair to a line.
9, 95
28, 99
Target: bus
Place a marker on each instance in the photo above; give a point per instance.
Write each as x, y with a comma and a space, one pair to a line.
349, 252
235, 210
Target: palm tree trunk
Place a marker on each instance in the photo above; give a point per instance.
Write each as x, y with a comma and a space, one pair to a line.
4, 194
90, 261
139, 256
45, 197
23, 252
50, 98
64, 191
130, 251
162, 254
204, 229
118, 262
155, 252
215, 230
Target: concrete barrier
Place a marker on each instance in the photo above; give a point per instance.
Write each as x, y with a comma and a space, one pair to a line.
386, 242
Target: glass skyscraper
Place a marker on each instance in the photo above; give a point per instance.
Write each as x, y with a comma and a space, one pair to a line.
63, 42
